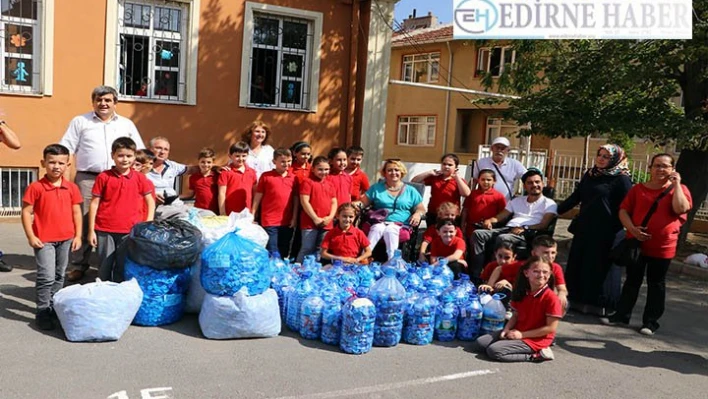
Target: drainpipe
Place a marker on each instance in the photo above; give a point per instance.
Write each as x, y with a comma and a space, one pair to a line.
447, 100
349, 138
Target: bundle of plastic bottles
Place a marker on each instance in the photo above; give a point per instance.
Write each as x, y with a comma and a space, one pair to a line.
234, 262
358, 318
389, 296
164, 293
419, 321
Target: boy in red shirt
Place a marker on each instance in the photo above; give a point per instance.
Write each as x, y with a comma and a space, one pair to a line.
446, 210
203, 185
279, 211
144, 160
346, 242
116, 207
56, 230
360, 182
319, 205
483, 203
449, 247
236, 186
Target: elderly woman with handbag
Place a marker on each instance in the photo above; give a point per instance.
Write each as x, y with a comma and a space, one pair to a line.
652, 213
599, 193
394, 207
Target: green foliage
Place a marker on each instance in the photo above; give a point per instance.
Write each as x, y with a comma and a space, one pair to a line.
623, 140
640, 176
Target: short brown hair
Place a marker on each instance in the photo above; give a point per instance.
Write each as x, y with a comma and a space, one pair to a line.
448, 206
239, 147
248, 133
144, 156
282, 152
206, 152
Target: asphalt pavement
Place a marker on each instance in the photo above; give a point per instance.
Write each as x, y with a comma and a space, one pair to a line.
176, 361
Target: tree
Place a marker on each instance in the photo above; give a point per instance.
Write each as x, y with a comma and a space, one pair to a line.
578, 88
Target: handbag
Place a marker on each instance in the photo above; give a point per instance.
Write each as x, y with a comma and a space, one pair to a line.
628, 251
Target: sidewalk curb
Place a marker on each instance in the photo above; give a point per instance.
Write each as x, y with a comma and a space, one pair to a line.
678, 267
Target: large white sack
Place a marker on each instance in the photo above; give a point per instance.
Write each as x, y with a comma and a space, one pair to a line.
697, 260
240, 316
99, 311
214, 228
243, 221
195, 294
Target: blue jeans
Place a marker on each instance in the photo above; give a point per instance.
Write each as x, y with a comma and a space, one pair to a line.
311, 243
279, 238
51, 265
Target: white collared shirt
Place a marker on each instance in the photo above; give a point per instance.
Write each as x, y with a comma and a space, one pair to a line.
165, 181
261, 163
90, 140
510, 168
529, 213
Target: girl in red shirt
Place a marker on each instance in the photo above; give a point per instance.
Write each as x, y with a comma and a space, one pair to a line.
483, 203
301, 160
537, 311
319, 205
445, 185
346, 242
505, 254
447, 210
340, 179
449, 247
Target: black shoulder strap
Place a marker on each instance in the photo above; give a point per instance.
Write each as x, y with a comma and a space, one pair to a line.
655, 205
511, 193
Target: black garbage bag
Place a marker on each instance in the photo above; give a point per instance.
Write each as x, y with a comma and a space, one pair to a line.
165, 244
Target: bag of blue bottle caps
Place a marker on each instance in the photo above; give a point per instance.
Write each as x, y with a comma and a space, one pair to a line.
240, 316
99, 311
164, 293
389, 297
331, 318
358, 318
232, 263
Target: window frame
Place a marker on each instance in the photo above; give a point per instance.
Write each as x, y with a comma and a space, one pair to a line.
311, 71
189, 51
15, 210
42, 55
428, 60
488, 50
503, 123
426, 124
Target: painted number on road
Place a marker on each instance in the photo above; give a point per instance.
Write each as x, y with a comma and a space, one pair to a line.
147, 393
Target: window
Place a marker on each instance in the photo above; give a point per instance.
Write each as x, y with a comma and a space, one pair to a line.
497, 127
416, 130
421, 67
280, 64
494, 60
22, 46
14, 184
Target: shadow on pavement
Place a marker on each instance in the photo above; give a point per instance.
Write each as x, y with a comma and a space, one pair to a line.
188, 325
11, 309
680, 362
309, 343
25, 262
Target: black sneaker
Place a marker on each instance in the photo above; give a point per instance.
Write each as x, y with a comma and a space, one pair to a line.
4, 267
44, 320
613, 320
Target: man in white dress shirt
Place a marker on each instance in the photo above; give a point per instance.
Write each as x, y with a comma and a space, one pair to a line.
508, 170
89, 137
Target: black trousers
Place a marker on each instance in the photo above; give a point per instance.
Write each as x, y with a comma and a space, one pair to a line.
656, 270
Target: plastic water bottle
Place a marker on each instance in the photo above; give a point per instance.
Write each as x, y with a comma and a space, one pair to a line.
419, 325
376, 268
437, 283
446, 318
470, 321
302, 290
389, 296
358, 319
457, 292
283, 298
411, 281
425, 272
494, 315
445, 271
311, 317
348, 279
362, 291
331, 319
397, 263
467, 285
364, 273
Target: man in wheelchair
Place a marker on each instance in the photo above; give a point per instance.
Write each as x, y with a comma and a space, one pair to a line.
525, 216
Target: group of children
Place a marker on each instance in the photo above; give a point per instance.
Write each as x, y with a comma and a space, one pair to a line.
306, 207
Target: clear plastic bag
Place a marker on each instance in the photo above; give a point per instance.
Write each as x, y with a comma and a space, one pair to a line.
240, 316
99, 311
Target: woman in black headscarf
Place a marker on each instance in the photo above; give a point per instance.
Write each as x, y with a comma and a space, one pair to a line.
599, 193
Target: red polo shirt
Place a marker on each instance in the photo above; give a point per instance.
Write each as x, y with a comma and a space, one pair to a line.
277, 202
321, 193
482, 205
348, 243
488, 270
239, 188
53, 209
438, 248
430, 234
301, 172
531, 313
360, 183
120, 207
342, 183
144, 204
441, 190
510, 271
206, 191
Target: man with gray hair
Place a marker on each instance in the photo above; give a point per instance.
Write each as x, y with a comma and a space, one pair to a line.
165, 172
89, 137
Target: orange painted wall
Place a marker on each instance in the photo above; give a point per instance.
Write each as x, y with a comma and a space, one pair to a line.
216, 120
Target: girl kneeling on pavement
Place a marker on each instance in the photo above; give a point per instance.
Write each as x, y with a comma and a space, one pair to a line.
537, 311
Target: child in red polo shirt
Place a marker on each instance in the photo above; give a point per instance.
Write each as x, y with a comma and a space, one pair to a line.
537, 311
483, 203
449, 247
504, 254
301, 152
445, 185
279, 211
446, 210
204, 186
360, 181
236, 186
346, 242
116, 207
319, 204
340, 179
56, 229
144, 160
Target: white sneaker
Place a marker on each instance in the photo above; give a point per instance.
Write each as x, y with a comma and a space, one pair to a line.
646, 331
542, 355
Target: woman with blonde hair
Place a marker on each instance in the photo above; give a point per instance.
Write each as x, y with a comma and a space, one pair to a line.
260, 153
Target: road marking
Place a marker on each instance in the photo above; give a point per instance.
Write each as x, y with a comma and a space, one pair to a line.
395, 385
